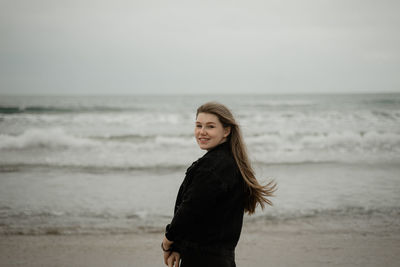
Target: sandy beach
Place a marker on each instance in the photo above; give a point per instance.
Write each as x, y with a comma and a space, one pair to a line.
335, 241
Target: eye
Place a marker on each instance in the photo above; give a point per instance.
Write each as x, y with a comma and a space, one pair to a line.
198, 125
211, 126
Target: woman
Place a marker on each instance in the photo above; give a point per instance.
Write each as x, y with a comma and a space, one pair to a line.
218, 188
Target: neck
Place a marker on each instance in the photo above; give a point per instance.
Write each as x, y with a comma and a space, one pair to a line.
223, 141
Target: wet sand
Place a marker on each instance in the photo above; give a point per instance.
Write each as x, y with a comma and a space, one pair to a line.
340, 241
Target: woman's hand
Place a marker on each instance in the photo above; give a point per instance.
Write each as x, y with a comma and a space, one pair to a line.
173, 259
166, 256
166, 244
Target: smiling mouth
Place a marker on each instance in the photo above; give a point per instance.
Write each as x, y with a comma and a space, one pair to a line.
203, 140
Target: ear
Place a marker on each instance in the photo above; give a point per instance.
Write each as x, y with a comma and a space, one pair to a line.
227, 131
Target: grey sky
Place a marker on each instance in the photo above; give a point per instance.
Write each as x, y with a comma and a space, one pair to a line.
117, 46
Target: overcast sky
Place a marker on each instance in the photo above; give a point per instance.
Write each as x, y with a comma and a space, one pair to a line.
128, 47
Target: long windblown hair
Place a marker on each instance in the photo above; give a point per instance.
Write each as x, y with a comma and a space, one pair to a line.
255, 192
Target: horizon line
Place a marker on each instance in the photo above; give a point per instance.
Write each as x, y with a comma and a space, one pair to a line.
193, 94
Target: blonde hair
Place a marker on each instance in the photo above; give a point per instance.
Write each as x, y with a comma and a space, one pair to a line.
255, 192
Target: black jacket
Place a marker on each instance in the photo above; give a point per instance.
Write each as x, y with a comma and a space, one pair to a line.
210, 203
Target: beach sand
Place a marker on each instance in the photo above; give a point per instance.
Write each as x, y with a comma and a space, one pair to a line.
335, 241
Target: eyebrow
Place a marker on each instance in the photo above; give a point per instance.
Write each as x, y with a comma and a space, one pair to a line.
210, 122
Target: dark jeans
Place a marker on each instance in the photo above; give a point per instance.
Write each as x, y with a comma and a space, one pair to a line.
195, 258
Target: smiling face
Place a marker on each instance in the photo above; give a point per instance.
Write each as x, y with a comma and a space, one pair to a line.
209, 131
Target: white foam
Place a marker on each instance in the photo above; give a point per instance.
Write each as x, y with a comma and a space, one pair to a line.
53, 137
174, 140
342, 140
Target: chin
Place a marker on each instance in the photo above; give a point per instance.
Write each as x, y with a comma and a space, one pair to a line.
203, 147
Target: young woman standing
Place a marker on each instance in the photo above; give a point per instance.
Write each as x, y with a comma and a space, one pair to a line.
218, 188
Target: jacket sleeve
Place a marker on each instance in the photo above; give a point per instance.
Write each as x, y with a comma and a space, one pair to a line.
199, 198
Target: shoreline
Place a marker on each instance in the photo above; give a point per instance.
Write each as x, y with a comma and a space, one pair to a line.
337, 241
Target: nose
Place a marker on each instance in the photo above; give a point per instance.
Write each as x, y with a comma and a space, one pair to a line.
202, 131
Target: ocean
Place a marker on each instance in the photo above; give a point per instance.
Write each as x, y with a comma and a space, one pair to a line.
113, 164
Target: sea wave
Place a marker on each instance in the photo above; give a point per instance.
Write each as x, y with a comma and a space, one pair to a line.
144, 137
351, 211
345, 140
90, 168
57, 148
58, 137
268, 141
53, 138
283, 103
56, 109
66, 223
387, 101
